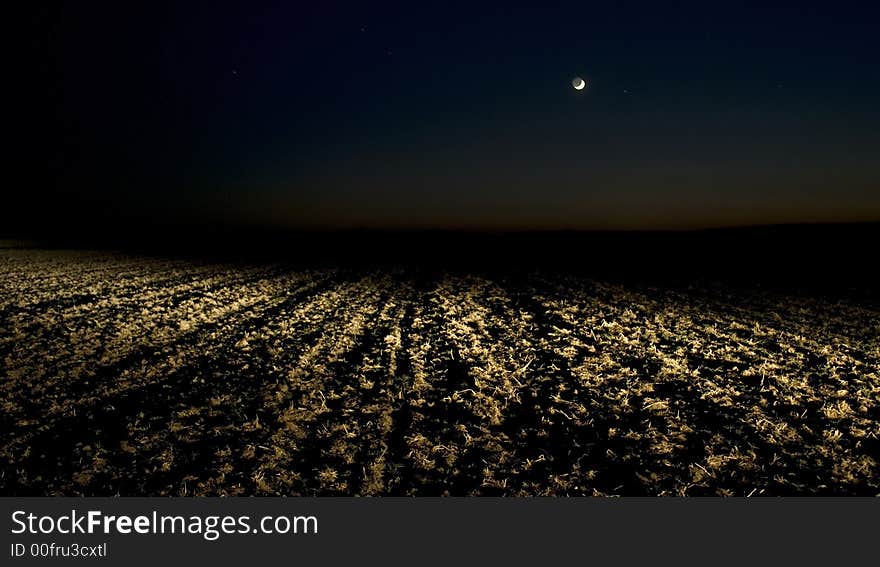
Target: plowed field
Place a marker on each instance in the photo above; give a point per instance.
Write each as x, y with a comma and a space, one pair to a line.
140, 376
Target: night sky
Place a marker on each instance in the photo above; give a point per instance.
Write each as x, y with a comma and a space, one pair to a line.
446, 115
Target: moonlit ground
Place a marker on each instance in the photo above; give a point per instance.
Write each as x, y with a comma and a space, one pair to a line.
136, 376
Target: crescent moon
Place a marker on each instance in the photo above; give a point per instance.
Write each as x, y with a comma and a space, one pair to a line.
578, 83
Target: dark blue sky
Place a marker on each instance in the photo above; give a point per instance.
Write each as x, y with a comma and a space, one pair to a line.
458, 115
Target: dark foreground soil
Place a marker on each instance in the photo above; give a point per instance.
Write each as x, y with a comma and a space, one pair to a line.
139, 376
